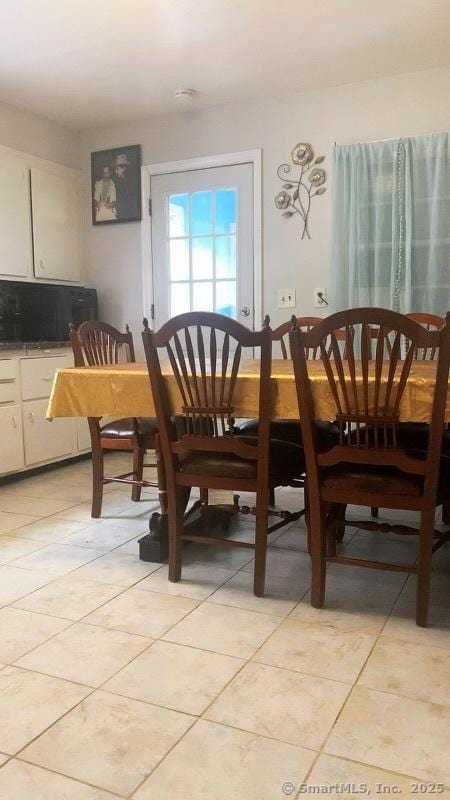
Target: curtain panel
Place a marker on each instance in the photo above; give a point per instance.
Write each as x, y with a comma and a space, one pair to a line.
391, 225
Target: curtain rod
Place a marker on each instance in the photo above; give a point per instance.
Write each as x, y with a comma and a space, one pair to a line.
390, 139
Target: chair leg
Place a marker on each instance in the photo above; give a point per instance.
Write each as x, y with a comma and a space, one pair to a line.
261, 520
162, 489
446, 513
318, 538
333, 520
374, 511
271, 497
426, 536
138, 469
175, 524
307, 522
340, 523
204, 496
97, 481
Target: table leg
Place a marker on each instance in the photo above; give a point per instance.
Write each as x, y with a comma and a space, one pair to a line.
200, 519
154, 546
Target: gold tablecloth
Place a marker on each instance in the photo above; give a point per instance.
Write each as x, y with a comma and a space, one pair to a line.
124, 391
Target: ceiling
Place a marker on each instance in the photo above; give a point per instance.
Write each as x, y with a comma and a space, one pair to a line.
94, 62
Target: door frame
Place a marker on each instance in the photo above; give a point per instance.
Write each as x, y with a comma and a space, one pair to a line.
252, 157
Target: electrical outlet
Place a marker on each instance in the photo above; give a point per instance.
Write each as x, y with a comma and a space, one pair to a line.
320, 299
286, 298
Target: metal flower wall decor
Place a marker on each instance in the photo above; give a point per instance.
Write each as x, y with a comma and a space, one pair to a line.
300, 187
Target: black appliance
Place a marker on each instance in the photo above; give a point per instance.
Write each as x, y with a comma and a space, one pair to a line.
41, 312
80, 305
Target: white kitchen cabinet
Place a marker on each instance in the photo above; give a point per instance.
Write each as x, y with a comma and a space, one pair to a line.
9, 383
15, 220
38, 374
46, 440
11, 437
28, 439
83, 434
56, 226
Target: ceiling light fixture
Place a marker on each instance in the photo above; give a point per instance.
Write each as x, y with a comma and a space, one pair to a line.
184, 96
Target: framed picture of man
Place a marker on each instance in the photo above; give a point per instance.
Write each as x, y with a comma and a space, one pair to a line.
116, 185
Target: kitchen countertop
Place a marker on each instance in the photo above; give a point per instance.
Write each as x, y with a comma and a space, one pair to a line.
24, 346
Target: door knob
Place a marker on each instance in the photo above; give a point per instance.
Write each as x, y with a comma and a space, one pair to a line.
245, 311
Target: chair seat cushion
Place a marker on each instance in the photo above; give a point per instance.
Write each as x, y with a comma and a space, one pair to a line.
383, 480
290, 430
374, 480
286, 462
126, 428
414, 435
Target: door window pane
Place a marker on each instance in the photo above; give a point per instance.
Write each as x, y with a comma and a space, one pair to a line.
225, 221
226, 257
180, 300
178, 215
202, 296
179, 259
201, 213
202, 258
226, 298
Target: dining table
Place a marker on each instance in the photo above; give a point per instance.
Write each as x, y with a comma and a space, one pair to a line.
123, 390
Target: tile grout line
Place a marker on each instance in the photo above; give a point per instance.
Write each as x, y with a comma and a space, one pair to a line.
354, 685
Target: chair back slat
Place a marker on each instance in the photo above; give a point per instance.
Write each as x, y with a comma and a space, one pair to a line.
181, 367
325, 356
183, 385
192, 366
225, 357
368, 384
366, 346
213, 371
349, 351
97, 343
392, 370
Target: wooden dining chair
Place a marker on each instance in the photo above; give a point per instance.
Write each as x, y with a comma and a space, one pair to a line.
368, 467
204, 352
289, 430
416, 433
95, 344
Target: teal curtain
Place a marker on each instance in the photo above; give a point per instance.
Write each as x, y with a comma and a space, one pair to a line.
391, 225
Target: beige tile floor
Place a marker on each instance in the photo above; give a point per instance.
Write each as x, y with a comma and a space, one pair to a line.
115, 683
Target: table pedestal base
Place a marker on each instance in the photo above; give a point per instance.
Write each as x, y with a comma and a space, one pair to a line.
200, 520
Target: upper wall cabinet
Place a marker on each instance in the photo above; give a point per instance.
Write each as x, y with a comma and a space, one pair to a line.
15, 224
56, 227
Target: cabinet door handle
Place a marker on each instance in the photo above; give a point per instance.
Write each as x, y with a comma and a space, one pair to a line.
14, 421
7, 380
31, 416
47, 379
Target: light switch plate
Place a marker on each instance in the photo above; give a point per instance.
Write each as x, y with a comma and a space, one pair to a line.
286, 298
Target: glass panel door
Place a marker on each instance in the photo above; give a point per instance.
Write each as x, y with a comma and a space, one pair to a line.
202, 239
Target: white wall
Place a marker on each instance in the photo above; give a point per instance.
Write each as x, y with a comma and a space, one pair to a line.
29, 133
399, 106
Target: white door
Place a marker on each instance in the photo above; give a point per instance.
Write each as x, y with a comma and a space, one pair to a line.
202, 243
56, 226
15, 219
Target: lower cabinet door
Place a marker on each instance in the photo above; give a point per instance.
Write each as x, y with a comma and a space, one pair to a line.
83, 434
11, 438
45, 440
